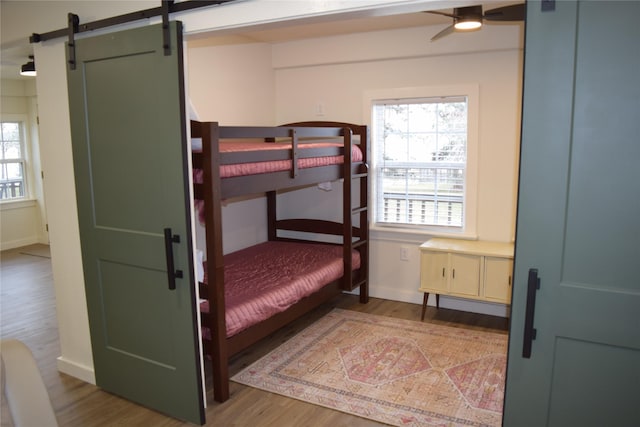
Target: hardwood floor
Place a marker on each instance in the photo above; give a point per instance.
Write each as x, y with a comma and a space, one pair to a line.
28, 313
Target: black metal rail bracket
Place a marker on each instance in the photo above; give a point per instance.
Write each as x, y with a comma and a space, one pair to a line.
166, 35
73, 21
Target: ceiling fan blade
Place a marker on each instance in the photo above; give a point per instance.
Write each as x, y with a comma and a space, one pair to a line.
443, 33
507, 13
435, 12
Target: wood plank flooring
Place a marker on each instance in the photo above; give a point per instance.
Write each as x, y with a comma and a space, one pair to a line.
28, 313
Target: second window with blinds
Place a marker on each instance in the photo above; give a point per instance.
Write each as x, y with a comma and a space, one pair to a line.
421, 151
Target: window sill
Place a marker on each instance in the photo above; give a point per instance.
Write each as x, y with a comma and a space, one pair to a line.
6, 205
398, 234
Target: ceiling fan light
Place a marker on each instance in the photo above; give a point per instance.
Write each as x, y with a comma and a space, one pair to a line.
467, 18
467, 25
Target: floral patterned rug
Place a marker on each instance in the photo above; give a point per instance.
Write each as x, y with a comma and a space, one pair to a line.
398, 372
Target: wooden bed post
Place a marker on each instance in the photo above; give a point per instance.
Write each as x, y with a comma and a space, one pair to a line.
363, 225
215, 263
272, 216
347, 214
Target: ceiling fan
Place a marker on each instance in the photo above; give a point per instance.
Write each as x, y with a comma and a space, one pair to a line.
470, 18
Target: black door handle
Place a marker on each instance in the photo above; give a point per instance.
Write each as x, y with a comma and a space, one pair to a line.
169, 240
533, 285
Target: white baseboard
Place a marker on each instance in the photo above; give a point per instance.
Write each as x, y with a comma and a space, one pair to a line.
395, 294
84, 373
415, 297
489, 308
19, 243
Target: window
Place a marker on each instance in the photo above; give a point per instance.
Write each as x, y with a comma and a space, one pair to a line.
12, 162
424, 157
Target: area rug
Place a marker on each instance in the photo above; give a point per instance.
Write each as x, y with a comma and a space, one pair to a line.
393, 371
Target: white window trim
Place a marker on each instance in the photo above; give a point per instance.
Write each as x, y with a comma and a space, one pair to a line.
469, 230
26, 156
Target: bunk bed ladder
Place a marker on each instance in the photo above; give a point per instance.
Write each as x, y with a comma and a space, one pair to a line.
363, 176
360, 279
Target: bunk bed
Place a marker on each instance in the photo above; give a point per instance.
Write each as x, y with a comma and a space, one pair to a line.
235, 161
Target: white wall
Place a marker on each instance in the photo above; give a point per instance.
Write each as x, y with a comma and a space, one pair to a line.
23, 222
234, 85
19, 224
66, 259
490, 59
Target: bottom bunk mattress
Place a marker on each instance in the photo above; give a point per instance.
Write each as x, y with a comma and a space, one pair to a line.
270, 277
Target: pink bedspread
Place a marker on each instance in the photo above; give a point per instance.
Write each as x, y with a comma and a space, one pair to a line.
243, 169
268, 278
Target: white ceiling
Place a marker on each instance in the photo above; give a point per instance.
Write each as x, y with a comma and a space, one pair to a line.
292, 32
15, 53
285, 31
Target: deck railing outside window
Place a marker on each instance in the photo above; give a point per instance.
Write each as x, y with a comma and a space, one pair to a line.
422, 209
11, 189
422, 196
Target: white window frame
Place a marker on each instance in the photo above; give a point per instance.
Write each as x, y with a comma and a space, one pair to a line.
24, 149
417, 232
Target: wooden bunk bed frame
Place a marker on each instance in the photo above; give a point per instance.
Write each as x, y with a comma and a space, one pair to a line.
214, 190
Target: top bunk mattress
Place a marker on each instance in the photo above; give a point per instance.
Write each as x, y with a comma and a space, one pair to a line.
247, 146
268, 278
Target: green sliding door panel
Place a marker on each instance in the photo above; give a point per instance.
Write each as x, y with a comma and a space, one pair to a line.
578, 224
128, 128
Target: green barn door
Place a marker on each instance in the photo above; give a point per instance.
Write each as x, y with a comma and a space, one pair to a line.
578, 220
127, 108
